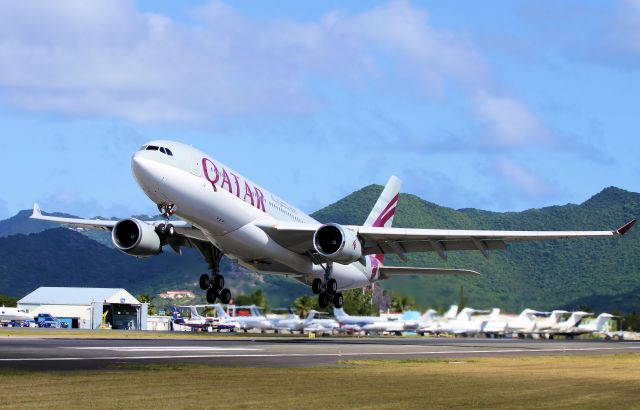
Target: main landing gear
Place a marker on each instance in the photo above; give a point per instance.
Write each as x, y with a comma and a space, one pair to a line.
214, 283
327, 290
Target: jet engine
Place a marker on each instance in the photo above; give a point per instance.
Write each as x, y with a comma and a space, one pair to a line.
337, 243
136, 238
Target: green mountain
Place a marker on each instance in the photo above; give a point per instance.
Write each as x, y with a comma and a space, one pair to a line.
603, 273
64, 257
542, 275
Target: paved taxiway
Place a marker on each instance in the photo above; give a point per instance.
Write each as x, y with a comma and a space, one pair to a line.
79, 354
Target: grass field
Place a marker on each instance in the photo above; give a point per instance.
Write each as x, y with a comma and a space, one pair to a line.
526, 382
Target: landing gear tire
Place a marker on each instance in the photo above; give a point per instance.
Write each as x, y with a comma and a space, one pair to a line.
316, 286
323, 300
338, 300
225, 296
205, 282
169, 230
212, 295
332, 287
218, 282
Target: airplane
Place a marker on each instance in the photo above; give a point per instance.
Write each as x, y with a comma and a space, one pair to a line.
8, 314
293, 323
197, 321
355, 323
572, 326
598, 325
434, 324
399, 326
463, 325
564, 328
222, 212
551, 321
255, 321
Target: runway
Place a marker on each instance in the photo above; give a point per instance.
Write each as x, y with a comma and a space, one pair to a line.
86, 354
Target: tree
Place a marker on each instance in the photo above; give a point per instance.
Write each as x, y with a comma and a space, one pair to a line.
462, 300
257, 298
146, 298
401, 303
359, 302
8, 301
304, 304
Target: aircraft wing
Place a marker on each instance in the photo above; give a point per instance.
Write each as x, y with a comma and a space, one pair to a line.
299, 238
401, 240
80, 223
186, 234
387, 271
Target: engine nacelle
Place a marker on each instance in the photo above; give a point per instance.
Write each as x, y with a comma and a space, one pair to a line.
136, 238
337, 243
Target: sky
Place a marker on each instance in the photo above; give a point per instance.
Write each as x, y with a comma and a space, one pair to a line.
497, 105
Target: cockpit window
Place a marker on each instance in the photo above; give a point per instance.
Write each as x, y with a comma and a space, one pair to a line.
169, 152
142, 148
152, 148
162, 150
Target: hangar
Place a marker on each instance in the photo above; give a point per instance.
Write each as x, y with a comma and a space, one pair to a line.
88, 308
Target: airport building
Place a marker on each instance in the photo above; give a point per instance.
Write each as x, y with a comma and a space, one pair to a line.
88, 308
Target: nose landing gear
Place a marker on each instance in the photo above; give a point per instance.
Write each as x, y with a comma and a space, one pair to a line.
166, 230
327, 290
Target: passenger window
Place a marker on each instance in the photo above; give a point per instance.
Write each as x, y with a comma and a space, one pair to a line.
152, 148
162, 150
169, 152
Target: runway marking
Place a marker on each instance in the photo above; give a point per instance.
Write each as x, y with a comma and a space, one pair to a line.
337, 354
163, 348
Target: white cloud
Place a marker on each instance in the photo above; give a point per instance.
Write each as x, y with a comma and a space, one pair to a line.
105, 58
522, 179
509, 121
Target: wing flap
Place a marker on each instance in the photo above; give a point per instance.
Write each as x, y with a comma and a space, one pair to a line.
387, 271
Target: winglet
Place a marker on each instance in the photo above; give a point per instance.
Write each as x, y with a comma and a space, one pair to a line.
622, 230
36, 211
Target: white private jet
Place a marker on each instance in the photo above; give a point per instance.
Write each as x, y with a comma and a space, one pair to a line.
255, 320
222, 212
573, 326
463, 324
356, 323
565, 328
293, 323
7, 314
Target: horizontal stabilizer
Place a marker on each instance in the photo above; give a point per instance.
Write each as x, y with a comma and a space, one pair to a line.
402, 270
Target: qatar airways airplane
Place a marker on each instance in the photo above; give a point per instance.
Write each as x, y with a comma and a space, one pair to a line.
223, 213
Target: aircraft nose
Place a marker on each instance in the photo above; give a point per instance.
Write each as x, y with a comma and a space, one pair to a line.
144, 171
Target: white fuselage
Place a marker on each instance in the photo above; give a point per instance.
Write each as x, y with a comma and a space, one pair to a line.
9, 314
225, 207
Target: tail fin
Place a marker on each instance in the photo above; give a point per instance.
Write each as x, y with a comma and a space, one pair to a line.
602, 321
310, 317
495, 314
451, 313
177, 316
385, 209
194, 313
338, 313
220, 311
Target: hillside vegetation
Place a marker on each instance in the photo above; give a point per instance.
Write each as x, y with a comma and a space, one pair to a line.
602, 273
